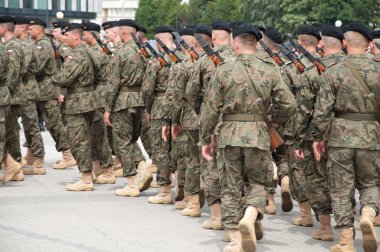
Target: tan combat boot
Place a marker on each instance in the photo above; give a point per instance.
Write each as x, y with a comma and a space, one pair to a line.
154, 183
376, 220
131, 190
117, 168
270, 209
368, 231
346, 243
215, 222
247, 229
96, 170
38, 167
163, 197
11, 168
235, 244
67, 161
141, 167
28, 159
180, 205
194, 207
147, 177
259, 230
324, 232
84, 184
19, 176
286, 197
305, 219
226, 236
107, 177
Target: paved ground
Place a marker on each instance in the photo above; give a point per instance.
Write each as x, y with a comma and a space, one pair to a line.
40, 215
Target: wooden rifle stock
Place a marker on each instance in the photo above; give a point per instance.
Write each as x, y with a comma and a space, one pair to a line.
275, 138
216, 59
193, 54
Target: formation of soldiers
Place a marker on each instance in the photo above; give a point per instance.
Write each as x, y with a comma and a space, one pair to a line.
229, 111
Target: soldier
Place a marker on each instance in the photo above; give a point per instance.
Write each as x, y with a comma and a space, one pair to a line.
101, 151
77, 76
30, 92
354, 137
7, 83
308, 37
155, 85
375, 45
243, 135
123, 100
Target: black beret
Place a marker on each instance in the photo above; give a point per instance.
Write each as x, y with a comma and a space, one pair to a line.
186, 31
129, 22
110, 24
221, 25
241, 28
358, 27
375, 34
142, 29
71, 27
22, 20
163, 29
308, 30
203, 29
91, 27
261, 28
7, 19
332, 31
59, 24
273, 35
37, 21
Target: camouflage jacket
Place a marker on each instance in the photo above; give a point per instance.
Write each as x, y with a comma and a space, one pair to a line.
5, 96
230, 93
377, 57
77, 76
46, 68
29, 87
100, 61
155, 84
341, 92
307, 97
125, 71
15, 69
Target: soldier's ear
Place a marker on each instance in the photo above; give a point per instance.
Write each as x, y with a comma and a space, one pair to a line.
344, 42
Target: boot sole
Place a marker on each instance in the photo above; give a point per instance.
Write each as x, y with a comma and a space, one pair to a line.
8, 177
145, 186
323, 238
87, 189
369, 236
259, 231
248, 237
286, 202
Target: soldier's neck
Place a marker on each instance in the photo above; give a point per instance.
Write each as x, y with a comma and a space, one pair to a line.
23, 35
7, 36
328, 51
351, 51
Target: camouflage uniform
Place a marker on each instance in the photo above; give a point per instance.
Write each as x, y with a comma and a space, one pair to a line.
155, 85
64, 50
5, 97
243, 145
377, 58
100, 146
77, 76
47, 100
354, 143
30, 92
15, 70
124, 101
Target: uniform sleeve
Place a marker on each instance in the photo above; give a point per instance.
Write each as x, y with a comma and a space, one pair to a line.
70, 70
15, 67
113, 82
43, 54
207, 72
149, 85
28, 55
194, 89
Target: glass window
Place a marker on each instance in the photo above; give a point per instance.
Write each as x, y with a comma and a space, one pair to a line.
1, 3
13, 4
41, 4
68, 5
56, 4
78, 5
27, 4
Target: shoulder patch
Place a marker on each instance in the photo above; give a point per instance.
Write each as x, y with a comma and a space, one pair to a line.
69, 57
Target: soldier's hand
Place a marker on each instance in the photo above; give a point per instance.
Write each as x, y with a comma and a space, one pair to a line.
318, 149
61, 99
176, 129
165, 133
106, 118
207, 151
299, 154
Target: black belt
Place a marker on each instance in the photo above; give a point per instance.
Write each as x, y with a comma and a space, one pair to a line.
79, 90
130, 89
242, 117
355, 116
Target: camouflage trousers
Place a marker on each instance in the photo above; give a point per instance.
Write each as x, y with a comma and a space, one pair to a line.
32, 132
186, 159
100, 146
62, 109
280, 157
235, 164
161, 150
3, 115
51, 114
78, 127
145, 140
124, 123
347, 168
298, 186
12, 129
210, 176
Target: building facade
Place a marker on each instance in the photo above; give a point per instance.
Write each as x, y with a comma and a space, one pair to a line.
118, 9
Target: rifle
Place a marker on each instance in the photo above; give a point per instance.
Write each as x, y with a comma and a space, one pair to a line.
177, 45
172, 55
102, 45
214, 56
193, 54
158, 56
320, 51
296, 61
274, 56
317, 63
140, 46
56, 52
